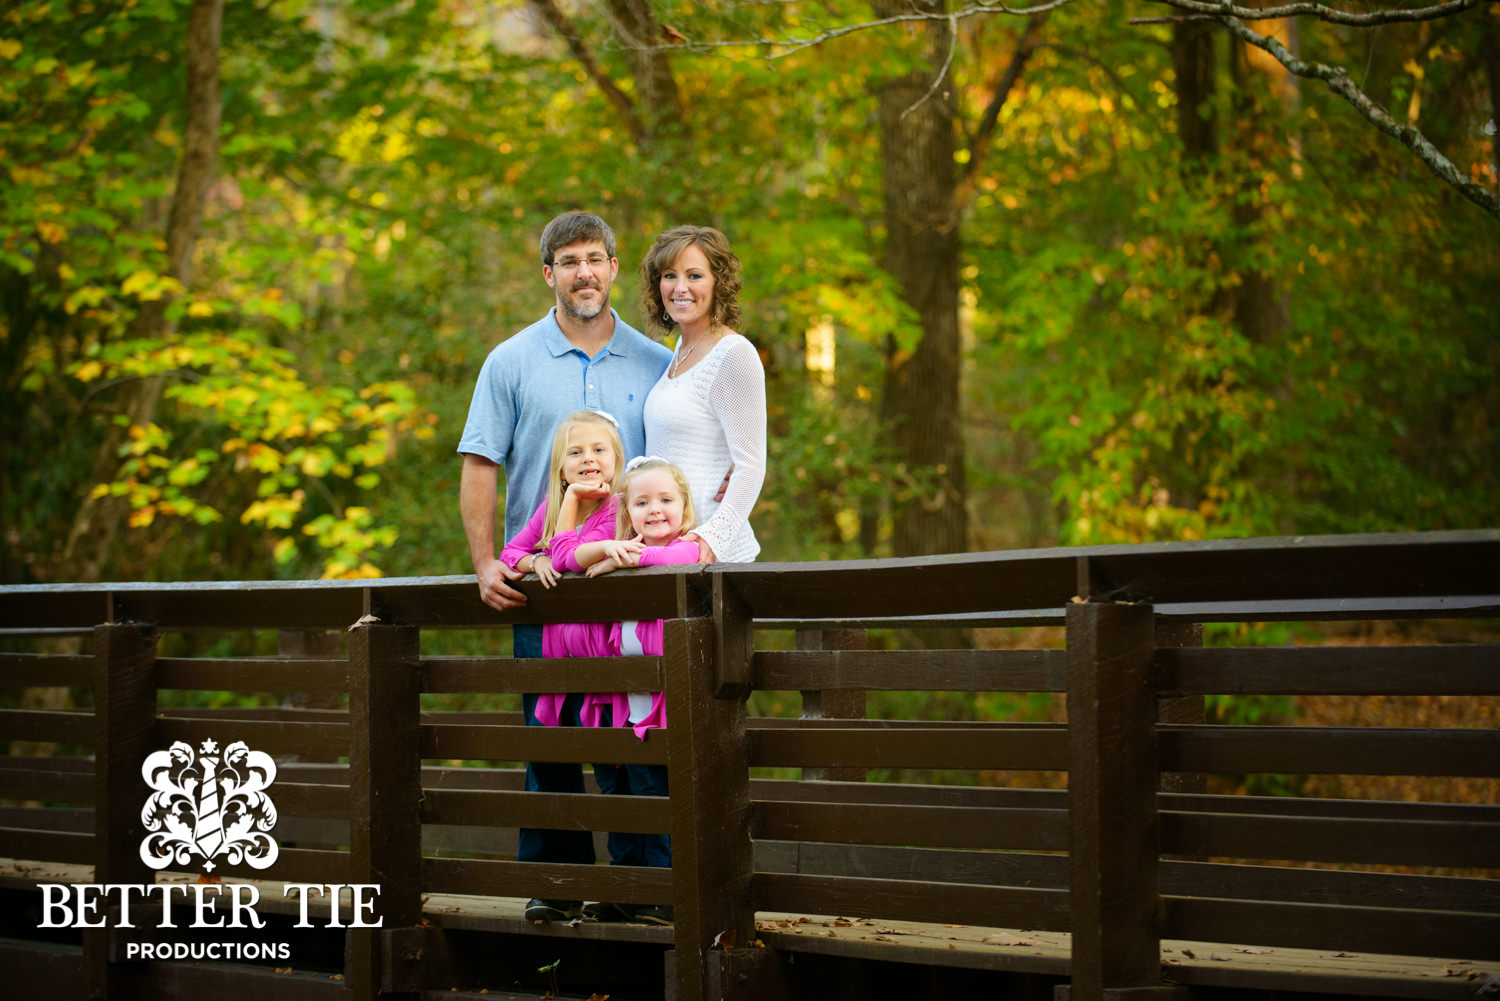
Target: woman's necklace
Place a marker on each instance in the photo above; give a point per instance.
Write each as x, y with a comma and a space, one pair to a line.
677, 361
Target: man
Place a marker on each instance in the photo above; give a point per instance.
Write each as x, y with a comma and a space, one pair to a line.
581, 355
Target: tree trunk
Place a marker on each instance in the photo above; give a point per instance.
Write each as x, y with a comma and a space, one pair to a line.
98, 520
1194, 63
1265, 93
922, 400
659, 104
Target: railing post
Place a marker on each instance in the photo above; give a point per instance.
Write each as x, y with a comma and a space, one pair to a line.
124, 725
385, 787
835, 703
709, 778
1112, 817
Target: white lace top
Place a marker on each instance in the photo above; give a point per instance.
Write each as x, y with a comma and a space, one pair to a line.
709, 418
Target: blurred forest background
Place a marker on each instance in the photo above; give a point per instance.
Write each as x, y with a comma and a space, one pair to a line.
1102, 272
1092, 272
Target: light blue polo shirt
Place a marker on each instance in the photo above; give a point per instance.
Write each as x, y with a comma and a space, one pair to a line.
534, 379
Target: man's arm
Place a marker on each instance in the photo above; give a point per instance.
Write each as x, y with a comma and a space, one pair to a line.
478, 494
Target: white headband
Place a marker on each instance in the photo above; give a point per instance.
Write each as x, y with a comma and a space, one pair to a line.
607, 416
638, 460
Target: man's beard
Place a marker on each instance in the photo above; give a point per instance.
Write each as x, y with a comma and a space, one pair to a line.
571, 306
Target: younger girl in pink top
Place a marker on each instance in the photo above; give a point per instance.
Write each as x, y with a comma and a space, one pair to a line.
656, 512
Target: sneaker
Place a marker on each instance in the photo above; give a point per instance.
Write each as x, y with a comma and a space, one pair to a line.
539, 910
652, 914
606, 911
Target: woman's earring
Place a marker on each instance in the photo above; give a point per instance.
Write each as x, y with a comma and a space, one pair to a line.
666, 319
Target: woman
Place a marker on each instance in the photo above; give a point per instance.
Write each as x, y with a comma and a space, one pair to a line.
707, 412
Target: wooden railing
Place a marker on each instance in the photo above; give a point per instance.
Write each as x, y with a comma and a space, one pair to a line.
1131, 853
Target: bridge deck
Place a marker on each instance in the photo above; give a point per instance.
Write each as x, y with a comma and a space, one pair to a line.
1008, 950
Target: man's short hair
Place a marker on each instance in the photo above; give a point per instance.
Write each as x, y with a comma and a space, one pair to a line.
575, 227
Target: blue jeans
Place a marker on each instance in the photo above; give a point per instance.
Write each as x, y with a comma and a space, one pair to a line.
545, 844
635, 780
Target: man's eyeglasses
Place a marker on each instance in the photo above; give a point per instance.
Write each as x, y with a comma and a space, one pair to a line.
596, 262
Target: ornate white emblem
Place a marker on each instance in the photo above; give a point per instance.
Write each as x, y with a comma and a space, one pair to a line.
209, 805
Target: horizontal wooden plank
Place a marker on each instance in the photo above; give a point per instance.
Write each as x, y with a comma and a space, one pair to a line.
1319, 839
171, 980
1469, 669
581, 674
1455, 934
55, 725
615, 745
617, 883
309, 799
934, 865
909, 794
1178, 878
285, 714
560, 811
912, 670
272, 736
1304, 610
943, 903
1330, 750
1329, 886
1309, 806
25, 670
260, 674
74, 820
45, 845
934, 747
1418, 564
47, 785
43, 969
448, 602
934, 826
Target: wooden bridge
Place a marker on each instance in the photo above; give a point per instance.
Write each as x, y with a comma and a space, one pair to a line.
1134, 882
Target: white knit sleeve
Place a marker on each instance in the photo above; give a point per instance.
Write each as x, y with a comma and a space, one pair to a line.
737, 397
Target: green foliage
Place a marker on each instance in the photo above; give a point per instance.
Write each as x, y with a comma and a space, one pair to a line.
385, 168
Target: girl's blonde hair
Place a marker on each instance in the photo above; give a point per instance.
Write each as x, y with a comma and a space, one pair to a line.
555, 482
623, 528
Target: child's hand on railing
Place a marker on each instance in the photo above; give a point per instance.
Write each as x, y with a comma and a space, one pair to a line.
602, 567
625, 552
545, 571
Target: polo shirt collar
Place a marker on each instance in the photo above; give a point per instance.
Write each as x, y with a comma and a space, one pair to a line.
559, 345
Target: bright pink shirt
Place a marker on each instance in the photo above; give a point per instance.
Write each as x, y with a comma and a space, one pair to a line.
596, 527
649, 634
565, 639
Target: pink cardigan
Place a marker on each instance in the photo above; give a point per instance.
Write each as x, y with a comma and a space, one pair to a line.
649, 634
604, 639
564, 639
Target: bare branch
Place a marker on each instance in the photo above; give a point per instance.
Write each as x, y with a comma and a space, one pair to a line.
788, 46
942, 73
1226, 8
1339, 82
1029, 43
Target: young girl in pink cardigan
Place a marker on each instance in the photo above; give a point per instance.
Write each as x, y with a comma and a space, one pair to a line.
657, 510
